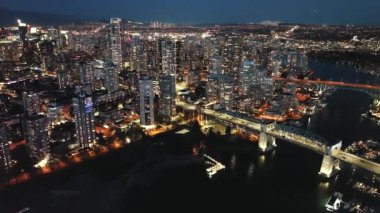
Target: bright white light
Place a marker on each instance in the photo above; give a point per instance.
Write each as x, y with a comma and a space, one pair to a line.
205, 35
42, 163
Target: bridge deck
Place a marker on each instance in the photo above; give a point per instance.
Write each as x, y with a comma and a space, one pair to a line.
299, 140
331, 83
357, 161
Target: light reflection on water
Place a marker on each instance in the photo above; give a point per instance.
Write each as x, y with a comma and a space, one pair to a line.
261, 161
250, 171
233, 162
323, 190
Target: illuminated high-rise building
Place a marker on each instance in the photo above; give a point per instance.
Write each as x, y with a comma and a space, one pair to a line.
11, 50
250, 75
220, 89
63, 77
37, 136
167, 109
84, 118
297, 63
267, 87
115, 36
146, 100
52, 114
215, 65
5, 156
212, 88
86, 76
247, 76
31, 103
111, 81
35, 126
169, 56
23, 31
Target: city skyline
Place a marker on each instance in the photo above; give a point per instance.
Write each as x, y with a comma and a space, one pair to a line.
130, 111
199, 12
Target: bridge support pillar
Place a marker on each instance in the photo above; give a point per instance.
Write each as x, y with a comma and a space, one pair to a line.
328, 167
266, 142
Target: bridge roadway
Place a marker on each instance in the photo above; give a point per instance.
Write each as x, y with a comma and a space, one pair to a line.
357, 161
284, 132
330, 83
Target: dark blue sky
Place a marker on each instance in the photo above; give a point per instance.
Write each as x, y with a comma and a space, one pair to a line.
212, 11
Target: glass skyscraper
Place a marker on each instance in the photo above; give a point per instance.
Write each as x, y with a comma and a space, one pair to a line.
146, 100
167, 98
115, 37
84, 118
37, 136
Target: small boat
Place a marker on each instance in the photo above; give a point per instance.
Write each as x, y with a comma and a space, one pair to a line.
335, 202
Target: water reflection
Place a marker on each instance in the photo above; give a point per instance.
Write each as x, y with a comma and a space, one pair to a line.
261, 161
273, 154
308, 123
323, 194
323, 186
250, 170
233, 162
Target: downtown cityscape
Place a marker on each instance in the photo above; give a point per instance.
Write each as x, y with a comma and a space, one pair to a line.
120, 115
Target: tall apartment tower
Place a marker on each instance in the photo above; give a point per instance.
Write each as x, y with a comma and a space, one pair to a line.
111, 81
5, 156
167, 109
115, 36
37, 136
169, 57
35, 126
84, 118
146, 100
86, 76
249, 75
31, 103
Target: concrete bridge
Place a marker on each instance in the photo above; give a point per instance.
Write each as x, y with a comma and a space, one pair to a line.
372, 90
270, 131
331, 83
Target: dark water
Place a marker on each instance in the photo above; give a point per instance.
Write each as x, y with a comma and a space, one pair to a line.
342, 72
342, 119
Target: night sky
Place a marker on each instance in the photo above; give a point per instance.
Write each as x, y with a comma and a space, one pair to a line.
211, 11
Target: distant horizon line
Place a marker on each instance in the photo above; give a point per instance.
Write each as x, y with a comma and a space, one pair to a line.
84, 19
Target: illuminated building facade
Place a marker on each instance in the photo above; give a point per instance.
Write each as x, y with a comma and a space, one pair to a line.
248, 76
84, 118
31, 103
169, 56
146, 100
215, 65
5, 155
86, 76
115, 37
111, 77
37, 136
167, 108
